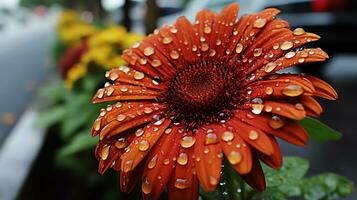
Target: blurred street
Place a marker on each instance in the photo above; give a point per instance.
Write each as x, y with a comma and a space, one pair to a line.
24, 61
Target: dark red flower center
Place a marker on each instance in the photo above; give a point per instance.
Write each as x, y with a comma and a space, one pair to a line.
203, 93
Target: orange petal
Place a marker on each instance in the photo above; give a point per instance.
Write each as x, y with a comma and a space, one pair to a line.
256, 177
124, 92
323, 89
128, 75
160, 163
276, 159
253, 136
208, 159
128, 180
236, 150
141, 145
290, 131
312, 107
184, 183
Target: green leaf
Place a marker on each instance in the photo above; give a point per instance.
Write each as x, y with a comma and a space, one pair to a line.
270, 194
51, 116
326, 186
319, 131
82, 141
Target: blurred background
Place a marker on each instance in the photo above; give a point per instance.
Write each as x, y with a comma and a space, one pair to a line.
51, 52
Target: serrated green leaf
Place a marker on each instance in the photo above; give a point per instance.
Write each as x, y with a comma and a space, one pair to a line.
319, 131
326, 187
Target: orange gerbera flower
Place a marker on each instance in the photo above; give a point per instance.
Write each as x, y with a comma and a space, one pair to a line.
193, 93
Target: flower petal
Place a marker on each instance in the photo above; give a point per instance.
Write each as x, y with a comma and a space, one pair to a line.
160, 162
141, 145
208, 160
252, 135
323, 89
255, 178
276, 159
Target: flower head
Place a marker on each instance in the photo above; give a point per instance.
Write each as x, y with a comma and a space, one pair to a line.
193, 94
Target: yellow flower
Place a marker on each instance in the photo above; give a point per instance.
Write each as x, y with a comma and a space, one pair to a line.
74, 74
130, 39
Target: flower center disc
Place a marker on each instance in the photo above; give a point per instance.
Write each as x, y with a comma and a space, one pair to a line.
201, 93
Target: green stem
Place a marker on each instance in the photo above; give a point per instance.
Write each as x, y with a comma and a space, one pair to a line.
234, 182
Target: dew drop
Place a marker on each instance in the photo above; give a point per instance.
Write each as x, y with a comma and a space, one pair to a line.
227, 136
301, 60
207, 30
257, 52
299, 31
275, 122
105, 152
167, 40
299, 106
213, 180
96, 125
212, 52
204, 47
286, 45
156, 63
174, 54
113, 76
121, 117
194, 48
290, 54
152, 162
259, 23
139, 75
148, 110
166, 161
148, 51
100, 93
168, 130
253, 135
234, 157
292, 90
211, 138
257, 108
121, 143
128, 165
268, 108
181, 183
143, 61
218, 42
146, 186
139, 132
123, 89
144, 145
239, 48
188, 141
110, 91
269, 90
270, 67
276, 46
182, 159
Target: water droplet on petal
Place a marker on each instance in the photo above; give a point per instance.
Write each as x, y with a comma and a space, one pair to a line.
234, 157
259, 23
174, 54
96, 125
100, 93
156, 63
124, 89
144, 145
257, 108
269, 90
167, 40
299, 31
276, 46
268, 108
253, 135
257, 52
227, 136
152, 162
301, 60
166, 161
290, 54
270, 67
105, 152
213, 180
121, 143
207, 30
211, 138
168, 130
204, 47
239, 48
146, 186
148, 51
299, 106
218, 42
121, 117
148, 110
113, 76
212, 52
139, 132
139, 75
293, 90
286, 45
275, 122
181, 183
188, 141
182, 159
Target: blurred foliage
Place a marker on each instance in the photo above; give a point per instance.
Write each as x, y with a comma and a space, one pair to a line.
285, 183
318, 131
